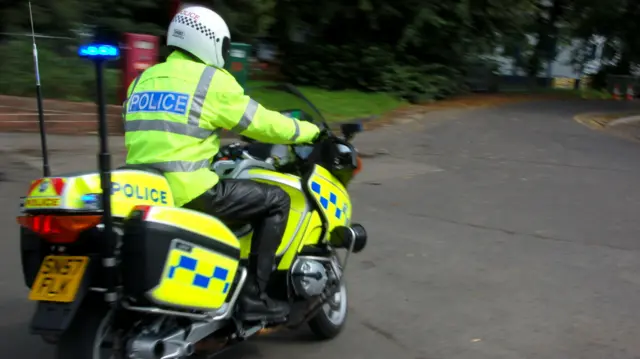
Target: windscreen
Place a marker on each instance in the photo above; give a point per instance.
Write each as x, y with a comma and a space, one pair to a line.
287, 98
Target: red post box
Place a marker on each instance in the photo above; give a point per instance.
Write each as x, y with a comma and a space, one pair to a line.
140, 51
175, 6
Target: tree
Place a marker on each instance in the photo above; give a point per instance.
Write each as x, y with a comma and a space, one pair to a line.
616, 21
247, 19
58, 17
416, 48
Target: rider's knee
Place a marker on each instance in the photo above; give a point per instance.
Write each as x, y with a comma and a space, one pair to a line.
278, 199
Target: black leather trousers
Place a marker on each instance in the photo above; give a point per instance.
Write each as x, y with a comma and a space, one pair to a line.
264, 206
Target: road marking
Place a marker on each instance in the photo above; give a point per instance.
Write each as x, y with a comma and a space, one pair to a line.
624, 121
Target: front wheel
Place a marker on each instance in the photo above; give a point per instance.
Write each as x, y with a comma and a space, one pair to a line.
90, 335
330, 321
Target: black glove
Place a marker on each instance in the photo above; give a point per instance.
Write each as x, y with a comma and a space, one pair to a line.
231, 151
322, 135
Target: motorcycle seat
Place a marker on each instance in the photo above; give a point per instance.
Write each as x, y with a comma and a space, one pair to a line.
240, 229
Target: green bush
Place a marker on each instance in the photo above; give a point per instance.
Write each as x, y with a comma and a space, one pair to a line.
63, 75
421, 83
593, 94
366, 68
371, 68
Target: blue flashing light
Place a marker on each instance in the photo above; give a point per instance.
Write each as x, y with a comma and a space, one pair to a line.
99, 52
90, 198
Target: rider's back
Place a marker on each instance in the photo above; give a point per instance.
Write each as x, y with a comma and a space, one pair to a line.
171, 123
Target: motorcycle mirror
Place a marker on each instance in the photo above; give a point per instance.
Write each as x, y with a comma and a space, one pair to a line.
350, 129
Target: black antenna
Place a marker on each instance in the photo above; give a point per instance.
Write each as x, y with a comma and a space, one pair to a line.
43, 138
100, 54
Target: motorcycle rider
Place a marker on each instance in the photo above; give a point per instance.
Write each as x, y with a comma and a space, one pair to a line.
173, 116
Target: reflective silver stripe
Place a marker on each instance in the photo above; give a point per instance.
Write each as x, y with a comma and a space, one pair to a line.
247, 117
192, 127
167, 126
135, 82
199, 96
180, 166
124, 104
297, 133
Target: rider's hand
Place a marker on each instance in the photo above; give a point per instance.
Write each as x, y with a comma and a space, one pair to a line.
231, 151
322, 135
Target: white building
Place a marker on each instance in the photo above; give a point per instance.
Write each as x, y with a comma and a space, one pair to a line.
561, 66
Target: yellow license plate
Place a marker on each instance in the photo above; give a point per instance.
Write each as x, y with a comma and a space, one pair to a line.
59, 278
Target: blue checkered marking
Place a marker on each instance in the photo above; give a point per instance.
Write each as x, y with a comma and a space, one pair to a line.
324, 201
200, 280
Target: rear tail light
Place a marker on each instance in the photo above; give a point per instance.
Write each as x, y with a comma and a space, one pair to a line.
59, 229
141, 211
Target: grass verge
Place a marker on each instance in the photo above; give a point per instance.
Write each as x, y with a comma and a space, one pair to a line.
334, 105
587, 93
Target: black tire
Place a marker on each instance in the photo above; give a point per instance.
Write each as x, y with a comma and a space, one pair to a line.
79, 340
326, 328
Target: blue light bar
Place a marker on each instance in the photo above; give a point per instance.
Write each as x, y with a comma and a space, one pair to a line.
99, 52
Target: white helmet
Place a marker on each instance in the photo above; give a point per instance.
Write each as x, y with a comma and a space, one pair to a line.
202, 33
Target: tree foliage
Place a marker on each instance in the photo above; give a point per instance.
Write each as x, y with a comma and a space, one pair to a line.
419, 49
579, 23
616, 21
416, 48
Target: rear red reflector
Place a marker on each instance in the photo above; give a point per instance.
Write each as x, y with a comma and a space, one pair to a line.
59, 229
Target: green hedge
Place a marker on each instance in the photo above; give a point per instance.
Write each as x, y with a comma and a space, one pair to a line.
62, 74
370, 68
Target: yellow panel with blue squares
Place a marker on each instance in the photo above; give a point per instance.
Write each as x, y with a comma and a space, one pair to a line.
195, 277
331, 196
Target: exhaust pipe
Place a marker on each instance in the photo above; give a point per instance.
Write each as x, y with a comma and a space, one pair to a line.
151, 347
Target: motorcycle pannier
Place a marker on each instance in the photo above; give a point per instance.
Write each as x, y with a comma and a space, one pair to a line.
178, 258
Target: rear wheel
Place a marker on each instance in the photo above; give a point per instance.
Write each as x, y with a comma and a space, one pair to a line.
90, 335
330, 321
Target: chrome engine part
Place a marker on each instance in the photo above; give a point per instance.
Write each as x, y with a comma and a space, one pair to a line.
309, 277
153, 342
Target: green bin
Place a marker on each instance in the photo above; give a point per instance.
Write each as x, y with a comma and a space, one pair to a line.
238, 63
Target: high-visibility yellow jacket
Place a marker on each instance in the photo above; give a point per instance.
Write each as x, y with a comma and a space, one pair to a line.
173, 116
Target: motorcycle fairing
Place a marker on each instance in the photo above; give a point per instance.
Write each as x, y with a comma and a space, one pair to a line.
331, 197
298, 212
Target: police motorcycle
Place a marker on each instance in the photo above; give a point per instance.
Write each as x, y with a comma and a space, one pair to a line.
117, 271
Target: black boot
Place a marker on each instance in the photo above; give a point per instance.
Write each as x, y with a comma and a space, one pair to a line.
255, 304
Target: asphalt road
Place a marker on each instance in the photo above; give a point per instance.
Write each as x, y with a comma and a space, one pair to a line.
508, 233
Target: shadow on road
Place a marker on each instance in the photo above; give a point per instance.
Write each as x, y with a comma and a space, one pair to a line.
16, 342
253, 348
